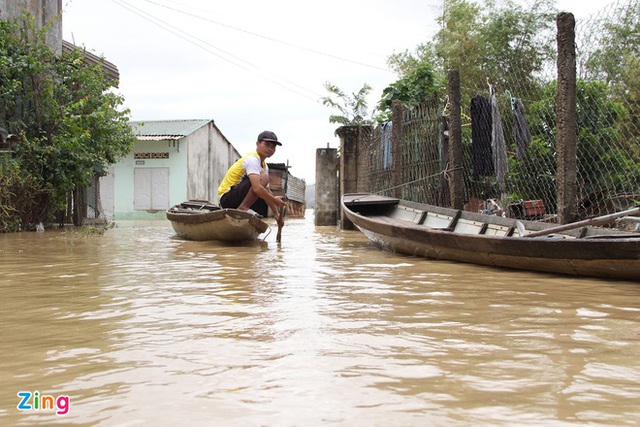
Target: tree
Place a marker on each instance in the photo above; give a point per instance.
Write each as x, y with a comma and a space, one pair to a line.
508, 43
414, 88
353, 108
605, 168
614, 57
70, 122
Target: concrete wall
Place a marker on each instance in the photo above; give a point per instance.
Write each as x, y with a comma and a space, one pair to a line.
327, 203
46, 13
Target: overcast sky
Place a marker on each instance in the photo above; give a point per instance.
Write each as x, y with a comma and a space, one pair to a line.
255, 65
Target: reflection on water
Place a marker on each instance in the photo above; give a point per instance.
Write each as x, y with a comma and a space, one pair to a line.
141, 328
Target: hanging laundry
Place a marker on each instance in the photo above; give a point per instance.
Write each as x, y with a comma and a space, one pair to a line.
521, 133
498, 144
481, 137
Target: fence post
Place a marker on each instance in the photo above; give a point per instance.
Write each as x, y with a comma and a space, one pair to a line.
327, 206
397, 112
349, 138
566, 119
456, 174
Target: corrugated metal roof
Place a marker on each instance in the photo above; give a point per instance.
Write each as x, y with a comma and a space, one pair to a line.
92, 59
277, 166
156, 130
295, 189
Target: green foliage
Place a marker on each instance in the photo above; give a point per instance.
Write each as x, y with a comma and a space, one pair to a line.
508, 43
353, 108
603, 165
89, 231
23, 198
615, 59
619, 46
71, 123
535, 175
414, 88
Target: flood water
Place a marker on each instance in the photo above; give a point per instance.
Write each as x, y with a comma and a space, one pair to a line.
140, 328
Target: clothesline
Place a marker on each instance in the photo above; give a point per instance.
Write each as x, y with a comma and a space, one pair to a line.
444, 173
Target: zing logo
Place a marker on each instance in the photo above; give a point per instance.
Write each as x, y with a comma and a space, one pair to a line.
33, 401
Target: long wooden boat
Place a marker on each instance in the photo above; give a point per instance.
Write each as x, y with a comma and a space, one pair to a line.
579, 249
201, 220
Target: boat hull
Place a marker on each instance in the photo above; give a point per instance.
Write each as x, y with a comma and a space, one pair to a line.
204, 224
608, 256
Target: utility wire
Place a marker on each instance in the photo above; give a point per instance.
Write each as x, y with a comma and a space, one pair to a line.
203, 45
268, 38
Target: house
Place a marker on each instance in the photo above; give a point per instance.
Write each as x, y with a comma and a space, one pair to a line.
285, 185
172, 161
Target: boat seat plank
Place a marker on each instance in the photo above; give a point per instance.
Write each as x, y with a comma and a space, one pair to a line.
455, 219
466, 226
435, 220
498, 230
483, 228
407, 214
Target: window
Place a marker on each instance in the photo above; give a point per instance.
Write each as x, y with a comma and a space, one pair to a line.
151, 188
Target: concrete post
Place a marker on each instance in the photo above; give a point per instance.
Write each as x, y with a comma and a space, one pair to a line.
349, 136
566, 119
455, 174
327, 206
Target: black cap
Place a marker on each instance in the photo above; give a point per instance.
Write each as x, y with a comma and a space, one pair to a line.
267, 135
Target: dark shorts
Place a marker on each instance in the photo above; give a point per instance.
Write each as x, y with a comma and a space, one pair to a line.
236, 194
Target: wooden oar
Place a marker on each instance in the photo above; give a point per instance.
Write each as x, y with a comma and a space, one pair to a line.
598, 220
280, 224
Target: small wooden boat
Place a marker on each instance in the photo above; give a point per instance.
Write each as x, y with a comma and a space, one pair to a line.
201, 220
580, 249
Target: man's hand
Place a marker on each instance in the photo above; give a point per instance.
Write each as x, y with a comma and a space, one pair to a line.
280, 202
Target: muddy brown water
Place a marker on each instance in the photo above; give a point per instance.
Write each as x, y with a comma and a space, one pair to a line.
137, 328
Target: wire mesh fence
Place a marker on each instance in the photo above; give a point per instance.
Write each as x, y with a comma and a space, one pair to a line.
509, 131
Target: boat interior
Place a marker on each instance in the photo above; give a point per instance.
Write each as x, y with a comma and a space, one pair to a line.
195, 206
408, 214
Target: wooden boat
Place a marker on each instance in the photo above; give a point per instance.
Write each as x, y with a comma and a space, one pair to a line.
580, 248
201, 220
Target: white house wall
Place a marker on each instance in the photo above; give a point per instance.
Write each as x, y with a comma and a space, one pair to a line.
107, 194
222, 156
124, 178
198, 164
209, 157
